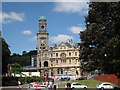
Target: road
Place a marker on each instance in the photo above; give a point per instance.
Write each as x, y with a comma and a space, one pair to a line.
25, 87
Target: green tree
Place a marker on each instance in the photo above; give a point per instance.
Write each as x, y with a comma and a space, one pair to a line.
24, 53
25, 57
5, 56
22, 60
101, 40
16, 68
32, 52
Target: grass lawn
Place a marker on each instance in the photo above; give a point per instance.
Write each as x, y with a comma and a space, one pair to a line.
89, 83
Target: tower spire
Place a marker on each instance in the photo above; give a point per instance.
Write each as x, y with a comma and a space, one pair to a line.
42, 23
42, 34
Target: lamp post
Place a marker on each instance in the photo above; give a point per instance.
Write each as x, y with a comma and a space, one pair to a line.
105, 55
105, 62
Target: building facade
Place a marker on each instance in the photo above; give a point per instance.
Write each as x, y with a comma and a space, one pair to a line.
58, 59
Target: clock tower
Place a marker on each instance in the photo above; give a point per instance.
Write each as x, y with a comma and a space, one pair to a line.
42, 35
42, 44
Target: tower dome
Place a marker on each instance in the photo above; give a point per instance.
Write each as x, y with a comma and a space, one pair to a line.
42, 18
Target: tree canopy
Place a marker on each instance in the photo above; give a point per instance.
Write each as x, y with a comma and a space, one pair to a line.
25, 57
101, 40
5, 56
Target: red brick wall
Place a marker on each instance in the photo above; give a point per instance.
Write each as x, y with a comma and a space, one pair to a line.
112, 78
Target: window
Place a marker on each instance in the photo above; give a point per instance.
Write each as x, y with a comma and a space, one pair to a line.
65, 61
77, 84
69, 53
42, 27
51, 55
106, 84
69, 60
45, 55
56, 54
75, 53
52, 73
58, 71
61, 71
56, 61
64, 47
76, 61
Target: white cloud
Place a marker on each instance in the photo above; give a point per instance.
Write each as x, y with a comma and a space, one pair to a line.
74, 7
75, 29
27, 32
34, 38
60, 38
10, 17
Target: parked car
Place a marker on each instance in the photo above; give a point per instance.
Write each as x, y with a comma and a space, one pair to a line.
56, 79
81, 78
65, 79
103, 86
78, 85
36, 85
40, 85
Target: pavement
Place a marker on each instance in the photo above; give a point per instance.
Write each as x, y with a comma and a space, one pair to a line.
22, 86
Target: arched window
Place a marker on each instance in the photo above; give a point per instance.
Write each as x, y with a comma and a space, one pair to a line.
56, 54
61, 71
69, 53
58, 71
56, 61
69, 60
42, 27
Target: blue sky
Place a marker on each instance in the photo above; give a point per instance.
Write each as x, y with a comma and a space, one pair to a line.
20, 22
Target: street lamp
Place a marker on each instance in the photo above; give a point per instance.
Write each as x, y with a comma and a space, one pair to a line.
105, 55
105, 63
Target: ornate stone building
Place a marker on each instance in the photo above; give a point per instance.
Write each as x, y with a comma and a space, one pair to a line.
58, 59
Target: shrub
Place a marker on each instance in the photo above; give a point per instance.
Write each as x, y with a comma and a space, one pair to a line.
9, 81
30, 79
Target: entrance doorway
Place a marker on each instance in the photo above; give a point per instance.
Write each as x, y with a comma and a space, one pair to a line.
46, 64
